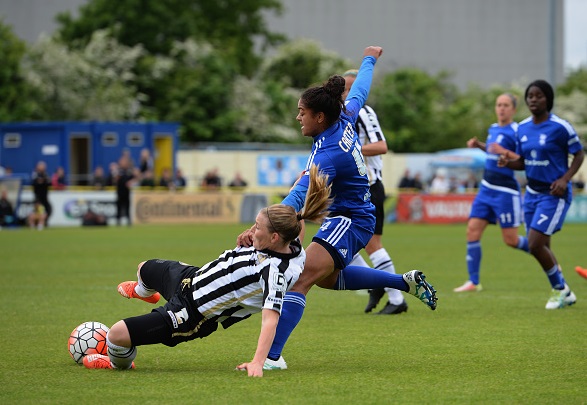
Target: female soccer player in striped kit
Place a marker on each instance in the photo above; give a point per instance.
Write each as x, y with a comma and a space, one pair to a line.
373, 146
545, 142
498, 199
240, 282
329, 120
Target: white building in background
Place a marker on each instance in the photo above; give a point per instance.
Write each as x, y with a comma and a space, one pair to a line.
483, 42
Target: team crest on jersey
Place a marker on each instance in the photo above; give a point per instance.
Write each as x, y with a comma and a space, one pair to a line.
542, 139
261, 257
533, 154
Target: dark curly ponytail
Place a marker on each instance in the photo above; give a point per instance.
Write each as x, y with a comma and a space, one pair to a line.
326, 98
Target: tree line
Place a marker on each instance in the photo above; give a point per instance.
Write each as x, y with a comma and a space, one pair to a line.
207, 66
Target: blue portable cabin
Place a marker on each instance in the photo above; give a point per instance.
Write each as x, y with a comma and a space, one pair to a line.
79, 147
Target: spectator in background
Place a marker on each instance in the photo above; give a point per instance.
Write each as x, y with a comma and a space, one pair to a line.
58, 181
6, 210
418, 185
127, 155
212, 180
38, 217
147, 179
146, 161
440, 183
41, 183
166, 179
112, 174
471, 183
180, 181
98, 178
238, 181
406, 181
124, 182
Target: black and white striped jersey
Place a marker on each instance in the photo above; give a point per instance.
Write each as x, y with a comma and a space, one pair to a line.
369, 131
244, 281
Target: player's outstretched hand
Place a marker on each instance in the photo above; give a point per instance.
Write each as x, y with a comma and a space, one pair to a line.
246, 238
253, 369
473, 143
374, 51
505, 155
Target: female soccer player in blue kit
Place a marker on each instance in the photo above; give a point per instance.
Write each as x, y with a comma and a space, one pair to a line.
545, 142
498, 199
349, 227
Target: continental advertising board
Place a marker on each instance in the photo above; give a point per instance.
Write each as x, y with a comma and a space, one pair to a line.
150, 207
166, 208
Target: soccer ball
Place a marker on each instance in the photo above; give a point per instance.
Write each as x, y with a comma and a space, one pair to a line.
87, 338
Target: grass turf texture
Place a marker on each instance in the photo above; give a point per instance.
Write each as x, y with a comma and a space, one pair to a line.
496, 346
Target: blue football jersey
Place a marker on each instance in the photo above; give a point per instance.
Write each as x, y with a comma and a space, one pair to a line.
505, 136
545, 148
337, 152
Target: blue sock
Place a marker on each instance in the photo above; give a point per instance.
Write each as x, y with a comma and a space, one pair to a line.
364, 278
557, 281
523, 243
474, 255
291, 313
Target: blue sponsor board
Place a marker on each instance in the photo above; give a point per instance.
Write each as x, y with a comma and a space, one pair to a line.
277, 170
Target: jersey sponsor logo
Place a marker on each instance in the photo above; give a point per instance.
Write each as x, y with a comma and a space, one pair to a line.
534, 162
279, 283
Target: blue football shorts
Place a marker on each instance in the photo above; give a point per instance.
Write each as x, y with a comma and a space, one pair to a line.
343, 237
545, 213
496, 205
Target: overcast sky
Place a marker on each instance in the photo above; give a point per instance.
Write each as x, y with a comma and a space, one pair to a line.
575, 33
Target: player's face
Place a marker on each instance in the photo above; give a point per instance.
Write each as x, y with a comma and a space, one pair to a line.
504, 109
262, 236
536, 101
311, 123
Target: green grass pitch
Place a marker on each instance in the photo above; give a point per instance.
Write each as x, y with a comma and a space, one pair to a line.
496, 346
